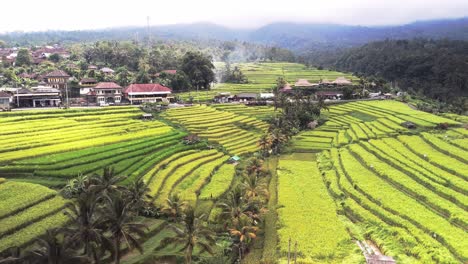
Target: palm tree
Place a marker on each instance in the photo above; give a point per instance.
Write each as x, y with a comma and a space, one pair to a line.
194, 234
107, 182
278, 139
85, 226
175, 206
243, 235
118, 219
138, 195
51, 251
254, 187
235, 206
76, 186
265, 145
254, 166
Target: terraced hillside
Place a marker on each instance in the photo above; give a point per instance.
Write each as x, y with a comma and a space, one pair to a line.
308, 215
50, 147
404, 191
262, 78
259, 112
27, 211
58, 145
238, 134
361, 121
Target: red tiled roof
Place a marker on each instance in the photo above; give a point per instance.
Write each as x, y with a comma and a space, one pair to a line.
147, 88
57, 73
26, 75
107, 85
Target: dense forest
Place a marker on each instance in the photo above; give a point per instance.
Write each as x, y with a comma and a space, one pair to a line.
434, 68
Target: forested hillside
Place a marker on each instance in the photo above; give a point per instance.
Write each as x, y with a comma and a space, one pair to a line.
300, 37
435, 68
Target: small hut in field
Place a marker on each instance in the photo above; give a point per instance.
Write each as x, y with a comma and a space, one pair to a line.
342, 81
303, 83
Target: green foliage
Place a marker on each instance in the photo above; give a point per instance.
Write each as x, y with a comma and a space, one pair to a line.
23, 58
431, 68
199, 70
233, 76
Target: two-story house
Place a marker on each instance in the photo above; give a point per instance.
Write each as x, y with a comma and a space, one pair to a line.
57, 79
108, 93
147, 93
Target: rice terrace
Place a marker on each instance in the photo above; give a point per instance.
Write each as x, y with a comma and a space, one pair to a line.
360, 178
313, 132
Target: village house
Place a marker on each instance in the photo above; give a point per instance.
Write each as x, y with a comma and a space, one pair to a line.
107, 71
342, 81
5, 100
57, 79
246, 97
331, 95
107, 93
325, 82
92, 67
303, 83
87, 85
147, 93
286, 89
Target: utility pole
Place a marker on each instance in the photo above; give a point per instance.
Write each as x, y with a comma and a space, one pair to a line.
289, 251
66, 95
17, 98
295, 252
148, 30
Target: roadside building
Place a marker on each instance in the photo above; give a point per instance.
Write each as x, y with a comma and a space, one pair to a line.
223, 97
148, 93
267, 96
331, 95
5, 100
246, 97
37, 97
107, 93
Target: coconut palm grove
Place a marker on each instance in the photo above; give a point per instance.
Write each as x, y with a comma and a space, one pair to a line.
288, 144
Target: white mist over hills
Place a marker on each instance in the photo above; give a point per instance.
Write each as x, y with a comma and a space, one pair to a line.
87, 14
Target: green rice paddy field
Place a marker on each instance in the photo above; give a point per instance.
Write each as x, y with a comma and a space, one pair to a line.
361, 176
262, 78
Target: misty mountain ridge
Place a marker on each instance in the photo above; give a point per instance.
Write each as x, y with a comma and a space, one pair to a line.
299, 37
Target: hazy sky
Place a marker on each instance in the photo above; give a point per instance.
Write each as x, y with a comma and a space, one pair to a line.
37, 15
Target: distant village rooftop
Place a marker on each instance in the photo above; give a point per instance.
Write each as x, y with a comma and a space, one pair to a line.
107, 85
57, 73
304, 83
342, 81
